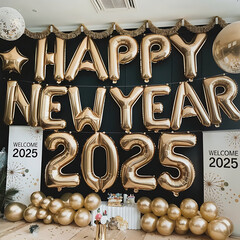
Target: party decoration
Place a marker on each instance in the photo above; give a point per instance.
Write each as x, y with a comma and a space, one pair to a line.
165, 226
209, 211
189, 52
55, 218
77, 64
159, 206
225, 48
14, 211
126, 104
218, 230
144, 205
82, 217
150, 107
30, 214
42, 213
148, 222
57, 59
228, 222
189, 208
179, 111
149, 56
129, 175
223, 100
112, 162
87, 116
53, 171
37, 198
66, 199
13, 60
35, 104
76, 201
167, 156
92, 201
101, 232
12, 24
117, 57
182, 225
48, 219
65, 216
47, 107
198, 225
173, 212
45, 203
56, 205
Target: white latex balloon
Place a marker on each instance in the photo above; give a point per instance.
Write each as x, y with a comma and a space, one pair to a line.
12, 24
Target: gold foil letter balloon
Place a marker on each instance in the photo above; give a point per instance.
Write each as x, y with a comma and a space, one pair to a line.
168, 158
53, 172
117, 57
126, 104
112, 162
189, 52
223, 100
129, 175
149, 56
150, 107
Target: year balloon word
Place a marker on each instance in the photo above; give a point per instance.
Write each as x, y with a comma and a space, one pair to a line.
129, 170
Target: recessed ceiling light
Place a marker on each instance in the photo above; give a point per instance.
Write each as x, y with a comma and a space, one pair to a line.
34, 10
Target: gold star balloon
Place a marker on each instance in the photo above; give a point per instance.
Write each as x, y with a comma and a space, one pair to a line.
13, 60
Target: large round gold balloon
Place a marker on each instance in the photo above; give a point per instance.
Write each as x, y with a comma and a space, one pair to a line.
65, 198
226, 48
42, 213
209, 211
92, 201
228, 222
144, 205
165, 226
173, 212
148, 222
198, 225
14, 211
65, 216
56, 205
182, 225
76, 201
45, 203
48, 219
189, 208
36, 198
82, 217
30, 214
218, 230
159, 206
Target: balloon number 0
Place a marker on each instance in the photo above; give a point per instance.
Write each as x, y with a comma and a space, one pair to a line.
130, 178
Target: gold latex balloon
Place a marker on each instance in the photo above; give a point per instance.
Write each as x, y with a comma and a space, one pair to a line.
165, 226
173, 212
189, 52
13, 60
169, 158
149, 56
218, 230
228, 222
48, 219
42, 213
182, 225
198, 225
117, 57
30, 214
65, 216
129, 170
150, 107
45, 203
14, 211
189, 208
55, 218
159, 206
36, 198
55, 205
53, 171
126, 104
112, 162
209, 211
223, 100
92, 201
148, 222
144, 205
82, 217
76, 201
226, 48
66, 198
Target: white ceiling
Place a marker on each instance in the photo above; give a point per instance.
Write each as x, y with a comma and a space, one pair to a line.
68, 14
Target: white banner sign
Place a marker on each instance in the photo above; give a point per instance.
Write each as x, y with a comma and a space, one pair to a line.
221, 153
24, 161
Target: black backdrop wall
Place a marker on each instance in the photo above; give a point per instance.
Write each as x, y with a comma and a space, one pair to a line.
168, 71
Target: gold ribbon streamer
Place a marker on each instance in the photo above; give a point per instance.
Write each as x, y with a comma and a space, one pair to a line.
98, 35
132, 33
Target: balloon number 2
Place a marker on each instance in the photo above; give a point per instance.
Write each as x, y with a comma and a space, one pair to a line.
129, 171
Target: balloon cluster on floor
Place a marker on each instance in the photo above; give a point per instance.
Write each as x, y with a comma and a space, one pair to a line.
70, 207
165, 218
